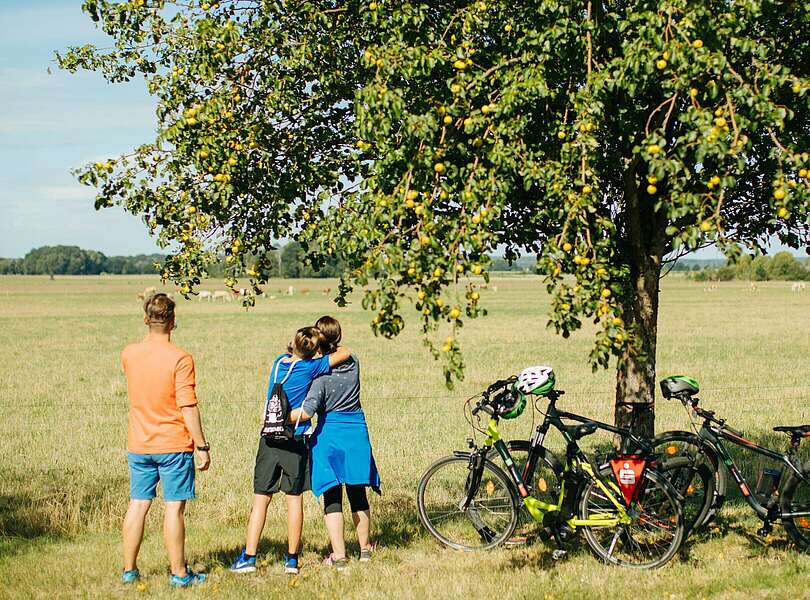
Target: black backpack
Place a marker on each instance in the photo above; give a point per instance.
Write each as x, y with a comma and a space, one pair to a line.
277, 411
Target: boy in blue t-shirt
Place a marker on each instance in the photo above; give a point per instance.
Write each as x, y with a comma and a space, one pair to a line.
283, 466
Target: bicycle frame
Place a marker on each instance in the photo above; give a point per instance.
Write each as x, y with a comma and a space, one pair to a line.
714, 433
574, 458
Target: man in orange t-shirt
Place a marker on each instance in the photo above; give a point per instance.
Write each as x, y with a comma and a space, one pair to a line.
164, 428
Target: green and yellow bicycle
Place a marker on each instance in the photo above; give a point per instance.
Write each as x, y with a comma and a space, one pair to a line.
628, 511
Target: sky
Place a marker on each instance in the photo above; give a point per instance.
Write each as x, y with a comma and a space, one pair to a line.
52, 123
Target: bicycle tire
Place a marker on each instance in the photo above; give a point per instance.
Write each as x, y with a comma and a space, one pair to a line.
468, 531
695, 482
670, 522
699, 451
796, 497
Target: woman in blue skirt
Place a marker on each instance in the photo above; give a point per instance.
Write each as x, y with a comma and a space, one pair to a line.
340, 449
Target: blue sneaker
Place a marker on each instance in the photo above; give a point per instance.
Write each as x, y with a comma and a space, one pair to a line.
190, 579
290, 564
131, 576
242, 564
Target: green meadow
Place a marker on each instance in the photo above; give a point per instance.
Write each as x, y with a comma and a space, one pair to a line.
63, 415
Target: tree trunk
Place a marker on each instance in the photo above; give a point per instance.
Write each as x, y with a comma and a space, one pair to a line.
642, 253
635, 378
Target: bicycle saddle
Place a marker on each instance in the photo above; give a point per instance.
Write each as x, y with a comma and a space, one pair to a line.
577, 432
798, 430
678, 384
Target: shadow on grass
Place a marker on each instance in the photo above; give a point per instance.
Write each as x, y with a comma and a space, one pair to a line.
394, 524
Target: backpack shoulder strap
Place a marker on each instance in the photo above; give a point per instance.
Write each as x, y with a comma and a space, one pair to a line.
275, 373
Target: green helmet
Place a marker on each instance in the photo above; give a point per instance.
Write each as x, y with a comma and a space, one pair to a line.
516, 408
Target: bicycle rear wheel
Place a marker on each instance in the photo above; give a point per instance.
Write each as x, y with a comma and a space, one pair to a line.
656, 529
489, 519
796, 498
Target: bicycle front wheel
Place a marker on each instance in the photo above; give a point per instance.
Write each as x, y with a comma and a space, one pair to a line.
683, 444
488, 520
654, 533
796, 498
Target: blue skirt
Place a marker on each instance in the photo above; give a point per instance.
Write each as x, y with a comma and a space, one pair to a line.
341, 452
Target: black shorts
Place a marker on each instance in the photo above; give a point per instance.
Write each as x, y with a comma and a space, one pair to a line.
282, 467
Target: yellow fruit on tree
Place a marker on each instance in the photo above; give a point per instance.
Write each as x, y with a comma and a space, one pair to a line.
438, 272
447, 119
617, 321
693, 92
455, 88
476, 219
661, 64
803, 173
454, 313
652, 179
507, 28
783, 212
567, 246
561, 134
718, 112
191, 210
411, 271
720, 122
653, 149
697, 44
796, 88
476, 269
372, 6
459, 268
779, 194
586, 189
475, 296
706, 226
460, 65
412, 195
439, 168
651, 189
424, 240
606, 293
485, 109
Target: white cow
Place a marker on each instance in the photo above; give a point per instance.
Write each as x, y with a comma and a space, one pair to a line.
798, 286
204, 295
221, 294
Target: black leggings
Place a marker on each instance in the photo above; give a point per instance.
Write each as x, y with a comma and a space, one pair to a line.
333, 499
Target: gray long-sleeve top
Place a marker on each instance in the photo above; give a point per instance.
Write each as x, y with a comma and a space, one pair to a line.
338, 391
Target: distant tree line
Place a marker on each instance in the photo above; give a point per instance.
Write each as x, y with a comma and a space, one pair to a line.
289, 263
782, 266
72, 260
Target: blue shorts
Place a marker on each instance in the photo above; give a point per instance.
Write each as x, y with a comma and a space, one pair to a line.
175, 470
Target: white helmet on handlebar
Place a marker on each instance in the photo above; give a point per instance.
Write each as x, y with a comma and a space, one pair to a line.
536, 380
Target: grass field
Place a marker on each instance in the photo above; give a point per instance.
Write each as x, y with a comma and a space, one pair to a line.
63, 409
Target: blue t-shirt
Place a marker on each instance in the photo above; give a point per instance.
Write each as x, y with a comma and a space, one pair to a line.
297, 384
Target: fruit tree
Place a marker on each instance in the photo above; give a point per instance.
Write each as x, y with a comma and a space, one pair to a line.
413, 139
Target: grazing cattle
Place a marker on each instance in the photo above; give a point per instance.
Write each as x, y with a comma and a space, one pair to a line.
798, 286
327, 291
305, 291
290, 290
221, 294
204, 295
752, 287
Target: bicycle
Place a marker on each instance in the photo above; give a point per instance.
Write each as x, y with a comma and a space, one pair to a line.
780, 494
629, 513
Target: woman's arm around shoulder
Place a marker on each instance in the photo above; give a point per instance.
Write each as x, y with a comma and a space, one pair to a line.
341, 355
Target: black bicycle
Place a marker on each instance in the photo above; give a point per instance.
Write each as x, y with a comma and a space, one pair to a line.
628, 510
780, 494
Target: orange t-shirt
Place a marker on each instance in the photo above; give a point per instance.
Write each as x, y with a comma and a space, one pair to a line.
160, 381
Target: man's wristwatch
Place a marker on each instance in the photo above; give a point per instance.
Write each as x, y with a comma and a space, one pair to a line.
205, 448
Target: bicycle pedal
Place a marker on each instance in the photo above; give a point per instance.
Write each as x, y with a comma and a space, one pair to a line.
559, 554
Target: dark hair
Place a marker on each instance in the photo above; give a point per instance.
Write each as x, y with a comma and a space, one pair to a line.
159, 309
330, 330
307, 342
